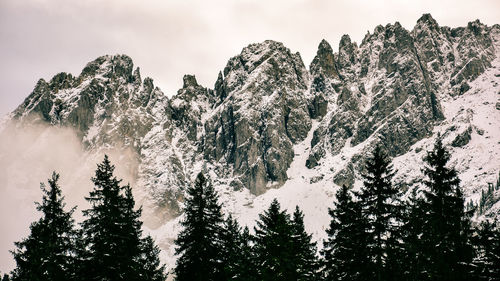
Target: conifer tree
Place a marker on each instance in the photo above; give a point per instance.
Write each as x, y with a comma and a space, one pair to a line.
48, 252
411, 231
304, 249
273, 245
236, 252
446, 229
378, 198
487, 247
113, 247
150, 267
344, 253
248, 266
199, 246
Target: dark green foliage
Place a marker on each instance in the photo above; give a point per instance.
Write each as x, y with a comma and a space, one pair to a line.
446, 226
113, 248
487, 247
150, 267
378, 198
282, 248
345, 255
236, 252
48, 252
249, 270
411, 230
273, 244
199, 246
305, 259
5, 277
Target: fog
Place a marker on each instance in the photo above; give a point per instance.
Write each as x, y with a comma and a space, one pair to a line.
28, 155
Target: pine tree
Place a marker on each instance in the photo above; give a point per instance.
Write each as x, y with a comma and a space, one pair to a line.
5, 277
150, 266
248, 266
380, 206
48, 252
413, 247
199, 246
273, 245
446, 230
344, 253
304, 250
113, 247
487, 248
236, 252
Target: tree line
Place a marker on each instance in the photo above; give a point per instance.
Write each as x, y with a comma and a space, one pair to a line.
375, 233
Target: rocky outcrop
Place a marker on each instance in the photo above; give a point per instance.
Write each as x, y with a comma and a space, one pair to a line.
262, 112
391, 85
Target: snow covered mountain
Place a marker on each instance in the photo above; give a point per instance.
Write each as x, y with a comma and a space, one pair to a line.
270, 127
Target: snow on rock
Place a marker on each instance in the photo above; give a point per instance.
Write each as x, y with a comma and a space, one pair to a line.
270, 128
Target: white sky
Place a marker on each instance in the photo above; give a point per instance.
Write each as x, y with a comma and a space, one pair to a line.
168, 39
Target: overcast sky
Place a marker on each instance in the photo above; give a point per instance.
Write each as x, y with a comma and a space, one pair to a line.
168, 39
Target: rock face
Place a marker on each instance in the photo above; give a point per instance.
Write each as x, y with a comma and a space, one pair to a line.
244, 132
262, 111
390, 88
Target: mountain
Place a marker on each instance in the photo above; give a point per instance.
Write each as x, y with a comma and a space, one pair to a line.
271, 127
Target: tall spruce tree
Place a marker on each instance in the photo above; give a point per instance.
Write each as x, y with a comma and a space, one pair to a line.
283, 250
273, 245
113, 247
150, 267
344, 254
249, 271
446, 228
199, 246
47, 254
380, 205
413, 247
305, 257
236, 252
487, 251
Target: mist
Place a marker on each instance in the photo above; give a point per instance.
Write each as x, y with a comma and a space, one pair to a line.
28, 156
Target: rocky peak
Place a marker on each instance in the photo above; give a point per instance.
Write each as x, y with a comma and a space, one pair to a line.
191, 91
323, 70
476, 27
189, 81
190, 103
61, 81
120, 66
40, 101
220, 91
428, 21
268, 61
347, 56
324, 61
263, 113
137, 76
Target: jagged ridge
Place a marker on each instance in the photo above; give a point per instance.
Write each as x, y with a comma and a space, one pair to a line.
389, 89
